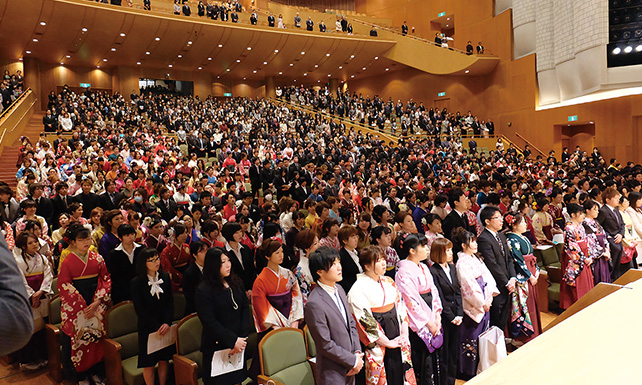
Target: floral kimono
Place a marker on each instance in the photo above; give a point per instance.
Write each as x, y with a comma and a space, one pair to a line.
598, 247
304, 277
276, 299
175, 260
37, 275
379, 310
524, 315
577, 280
83, 280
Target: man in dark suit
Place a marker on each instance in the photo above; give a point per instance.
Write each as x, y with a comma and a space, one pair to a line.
110, 199
60, 202
88, 199
271, 20
332, 328
50, 123
404, 29
267, 176
45, 206
457, 217
9, 207
167, 204
255, 176
611, 220
493, 247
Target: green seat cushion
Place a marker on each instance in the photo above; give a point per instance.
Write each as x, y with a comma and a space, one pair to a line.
131, 373
299, 374
274, 360
548, 256
129, 345
197, 357
554, 292
122, 320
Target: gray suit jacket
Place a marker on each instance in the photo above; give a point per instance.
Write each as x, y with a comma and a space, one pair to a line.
14, 212
336, 342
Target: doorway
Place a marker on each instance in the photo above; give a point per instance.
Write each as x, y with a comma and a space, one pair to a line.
442, 103
576, 134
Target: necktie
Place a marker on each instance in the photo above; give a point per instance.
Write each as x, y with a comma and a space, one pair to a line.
6, 210
501, 246
64, 201
464, 217
340, 305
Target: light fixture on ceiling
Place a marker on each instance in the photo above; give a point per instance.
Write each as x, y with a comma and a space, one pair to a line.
200, 68
291, 64
305, 74
244, 78
170, 66
302, 52
254, 71
122, 34
180, 56
113, 50
209, 58
189, 42
104, 59
387, 69
448, 18
264, 63
27, 52
376, 57
220, 46
628, 49
98, 67
447, 25
327, 54
68, 56
43, 23
20, 58
351, 56
328, 75
316, 66
35, 40
467, 71
280, 73
84, 29
138, 63
364, 68
62, 64
157, 38
218, 77
238, 60
228, 70
276, 51
617, 50
249, 48
351, 76
340, 67
147, 53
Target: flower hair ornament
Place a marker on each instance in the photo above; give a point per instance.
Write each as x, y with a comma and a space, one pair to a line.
535, 206
509, 219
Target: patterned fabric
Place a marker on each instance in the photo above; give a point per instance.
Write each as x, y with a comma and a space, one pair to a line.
596, 239
271, 282
519, 246
520, 320
469, 270
574, 239
541, 220
304, 277
392, 259
413, 279
174, 260
85, 352
330, 242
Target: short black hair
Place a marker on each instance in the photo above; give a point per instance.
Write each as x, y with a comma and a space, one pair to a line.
125, 229
487, 213
322, 259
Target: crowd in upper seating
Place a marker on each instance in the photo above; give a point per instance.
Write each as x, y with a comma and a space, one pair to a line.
152, 192
10, 89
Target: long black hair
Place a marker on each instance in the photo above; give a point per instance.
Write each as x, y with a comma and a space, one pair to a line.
212, 271
140, 261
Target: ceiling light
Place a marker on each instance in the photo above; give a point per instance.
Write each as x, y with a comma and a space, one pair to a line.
616, 51
104, 59
387, 69
351, 56
62, 64
376, 57
327, 54
467, 71
316, 66
20, 58
138, 62
209, 58
84, 29
189, 42
340, 67
244, 78
228, 70
122, 34
113, 49
27, 52
218, 77
291, 64
318, 81
97, 66
305, 74
328, 75
264, 63
302, 52
638, 48
276, 51
295, 80
448, 18
249, 48
35, 40
447, 25
200, 68
43, 23
238, 60
68, 56
180, 56
157, 39
254, 71
628, 49
147, 53
364, 68
170, 66
351, 76
220, 46
280, 73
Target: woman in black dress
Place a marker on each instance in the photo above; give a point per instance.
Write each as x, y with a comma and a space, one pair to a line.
223, 309
151, 291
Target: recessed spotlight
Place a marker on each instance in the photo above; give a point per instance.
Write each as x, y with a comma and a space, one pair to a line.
68, 56
616, 51
209, 58
638, 48
220, 46
104, 59
295, 80
628, 49
249, 48
340, 67
305, 74
27, 52
238, 60
170, 66
448, 18
138, 63
302, 52
387, 69
328, 75
147, 53
280, 73
200, 68
276, 51
351, 56
228, 70
113, 50
180, 56
84, 29
122, 34
264, 63
318, 81
43, 23
20, 58
157, 38
291, 64
364, 68
97, 66
351, 76
376, 57
447, 25
35, 40
244, 78
189, 42
218, 77
316, 66
467, 71
254, 71
327, 54
62, 64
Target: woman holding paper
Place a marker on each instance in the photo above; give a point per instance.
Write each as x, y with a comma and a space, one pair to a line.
222, 307
151, 291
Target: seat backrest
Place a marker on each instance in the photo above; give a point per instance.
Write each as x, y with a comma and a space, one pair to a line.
188, 339
121, 324
54, 311
309, 342
179, 306
292, 365
54, 286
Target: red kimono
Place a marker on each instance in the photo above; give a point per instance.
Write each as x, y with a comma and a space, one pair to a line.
80, 283
175, 261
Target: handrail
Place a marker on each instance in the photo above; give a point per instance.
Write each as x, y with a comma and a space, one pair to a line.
13, 105
529, 143
16, 104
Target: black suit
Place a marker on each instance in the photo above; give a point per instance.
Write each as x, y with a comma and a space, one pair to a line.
450, 295
122, 272
502, 268
613, 225
60, 206
350, 270
255, 178
107, 203
168, 209
89, 202
247, 271
191, 279
45, 208
14, 211
452, 221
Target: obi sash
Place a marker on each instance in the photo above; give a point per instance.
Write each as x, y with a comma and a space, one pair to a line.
35, 280
281, 302
386, 316
548, 231
86, 286
427, 297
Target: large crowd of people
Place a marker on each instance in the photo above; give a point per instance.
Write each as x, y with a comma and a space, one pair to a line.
397, 257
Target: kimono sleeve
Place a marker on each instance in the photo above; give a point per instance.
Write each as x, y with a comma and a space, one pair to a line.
419, 314
518, 257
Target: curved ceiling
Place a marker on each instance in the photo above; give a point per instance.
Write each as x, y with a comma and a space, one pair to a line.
88, 34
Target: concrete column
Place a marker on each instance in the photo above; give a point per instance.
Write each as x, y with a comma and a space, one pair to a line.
270, 89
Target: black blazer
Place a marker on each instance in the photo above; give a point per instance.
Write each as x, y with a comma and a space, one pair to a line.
449, 293
247, 271
191, 279
89, 202
451, 222
152, 312
167, 213
59, 208
45, 209
612, 225
105, 202
222, 322
501, 266
122, 272
350, 270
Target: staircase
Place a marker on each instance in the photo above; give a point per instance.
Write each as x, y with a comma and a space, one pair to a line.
9, 153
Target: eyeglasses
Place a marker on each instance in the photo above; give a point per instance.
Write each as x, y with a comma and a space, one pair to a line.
153, 260
499, 217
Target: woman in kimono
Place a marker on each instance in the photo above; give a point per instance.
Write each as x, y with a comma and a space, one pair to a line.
155, 237
598, 246
276, 298
525, 323
381, 320
85, 286
421, 298
577, 277
152, 296
477, 291
543, 223
38, 276
112, 219
306, 241
176, 256
382, 237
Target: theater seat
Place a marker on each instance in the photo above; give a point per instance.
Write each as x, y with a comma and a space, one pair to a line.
121, 346
188, 358
287, 369
179, 307
52, 332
